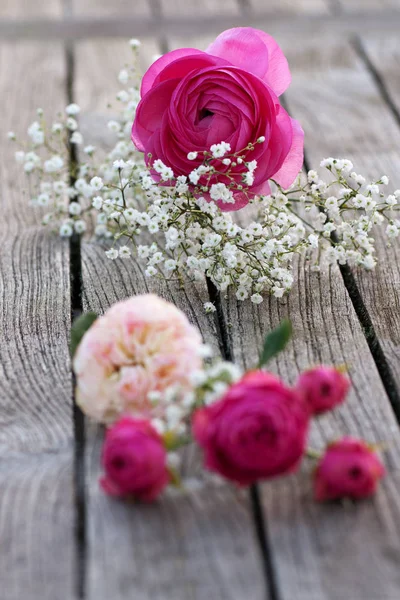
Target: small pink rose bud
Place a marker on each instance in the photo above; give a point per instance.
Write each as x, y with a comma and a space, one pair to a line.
323, 388
134, 460
257, 430
349, 469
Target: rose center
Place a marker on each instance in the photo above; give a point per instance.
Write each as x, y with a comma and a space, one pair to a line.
355, 472
204, 113
118, 462
325, 389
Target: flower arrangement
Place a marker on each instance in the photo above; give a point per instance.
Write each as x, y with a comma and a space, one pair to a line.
210, 137
143, 370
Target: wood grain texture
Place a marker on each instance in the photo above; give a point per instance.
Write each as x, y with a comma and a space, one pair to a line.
22, 9
189, 546
195, 8
289, 6
363, 6
103, 8
356, 122
328, 552
36, 487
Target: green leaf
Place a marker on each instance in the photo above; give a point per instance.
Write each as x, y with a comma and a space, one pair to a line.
79, 328
275, 342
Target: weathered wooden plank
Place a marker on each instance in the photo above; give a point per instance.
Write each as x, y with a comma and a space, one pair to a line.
103, 8
21, 9
289, 6
172, 8
355, 122
306, 540
326, 552
35, 392
326, 331
196, 545
363, 6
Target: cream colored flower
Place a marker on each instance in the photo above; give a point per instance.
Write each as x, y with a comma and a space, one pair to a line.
140, 346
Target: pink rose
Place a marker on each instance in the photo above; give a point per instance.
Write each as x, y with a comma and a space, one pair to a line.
257, 430
134, 460
193, 99
323, 388
349, 469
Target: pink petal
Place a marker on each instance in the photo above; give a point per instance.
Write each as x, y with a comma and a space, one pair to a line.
155, 69
255, 51
278, 76
243, 48
150, 112
293, 162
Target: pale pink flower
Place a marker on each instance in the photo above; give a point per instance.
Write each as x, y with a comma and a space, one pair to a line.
141, 345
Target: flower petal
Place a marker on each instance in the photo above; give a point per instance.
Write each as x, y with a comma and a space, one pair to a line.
243, 48
278, 76
155, 69
255, 51
293, 163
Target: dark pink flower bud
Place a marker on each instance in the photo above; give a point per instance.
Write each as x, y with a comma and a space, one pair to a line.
134, 460
349, 469
323, 388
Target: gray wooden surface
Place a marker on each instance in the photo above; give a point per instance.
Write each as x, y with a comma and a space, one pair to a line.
61, 538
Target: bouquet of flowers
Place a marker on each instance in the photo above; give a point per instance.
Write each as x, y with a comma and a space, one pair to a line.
200, 137
143, 370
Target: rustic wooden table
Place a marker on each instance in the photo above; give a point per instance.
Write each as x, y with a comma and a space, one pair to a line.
61, 538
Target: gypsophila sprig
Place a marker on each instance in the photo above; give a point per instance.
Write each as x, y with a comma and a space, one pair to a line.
176, 224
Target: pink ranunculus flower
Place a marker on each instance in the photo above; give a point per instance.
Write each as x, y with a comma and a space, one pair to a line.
256, 431
141, 345
134, 460
229, 93
349, 469
323, 388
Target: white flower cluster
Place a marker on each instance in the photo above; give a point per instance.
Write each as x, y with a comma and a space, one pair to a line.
174, 223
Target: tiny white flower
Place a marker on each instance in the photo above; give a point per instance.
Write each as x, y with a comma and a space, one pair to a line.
150, 271
192, 156
385, 180
11, 136
112, 253
96, 183
114, 126
134, 43
124, 252
80, 226
261, 139
119, 164
219, 150
256, 298
71, 124
209, 307
75, 208
43, 199
97, 202
76, 138
66, 230
72, 109
123, 76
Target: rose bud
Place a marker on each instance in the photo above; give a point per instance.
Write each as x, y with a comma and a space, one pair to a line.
349, 469
256, 431
134, 460
323, 388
